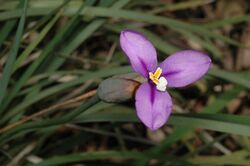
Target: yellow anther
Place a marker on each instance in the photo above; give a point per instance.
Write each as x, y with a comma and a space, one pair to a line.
155, 76
157, 73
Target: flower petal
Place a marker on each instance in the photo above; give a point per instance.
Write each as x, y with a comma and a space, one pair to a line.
153, 107
140, 51
185, 67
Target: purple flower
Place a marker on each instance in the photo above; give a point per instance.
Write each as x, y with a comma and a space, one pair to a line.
153, 103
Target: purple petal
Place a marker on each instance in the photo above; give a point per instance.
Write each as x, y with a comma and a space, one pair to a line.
140, 51
153, 107
185, 67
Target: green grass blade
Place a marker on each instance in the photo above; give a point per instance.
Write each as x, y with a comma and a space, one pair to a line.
60, 88
231, 77
215, 107
107, 155
171, 23
28, 73
6, 29
126, 14
8, 26
34, 43
233, 124
220, 122
68, 117
13, 53
158, 42
81, 37
227, 21
236, 158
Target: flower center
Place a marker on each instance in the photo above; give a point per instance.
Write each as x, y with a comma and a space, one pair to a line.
160, 82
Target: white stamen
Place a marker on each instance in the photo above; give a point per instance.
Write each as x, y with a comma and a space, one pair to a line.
162, 85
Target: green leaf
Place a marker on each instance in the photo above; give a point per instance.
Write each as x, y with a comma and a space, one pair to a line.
6, 29
32, 68
90, 156
12, 56
232, 77
234, 124
215, 107
236, 158
108, 155
82, 37
126, 14
36, 41
227, 21
59, 88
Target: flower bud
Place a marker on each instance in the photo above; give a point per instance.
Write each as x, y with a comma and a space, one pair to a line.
119, 88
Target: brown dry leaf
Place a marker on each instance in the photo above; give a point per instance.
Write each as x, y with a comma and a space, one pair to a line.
233, 105
246, 110
230, 8
30, 37
194, 44
243, 54
228, 61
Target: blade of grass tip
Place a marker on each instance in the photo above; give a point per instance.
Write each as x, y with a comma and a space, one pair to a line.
81, 37
36, 41
13, 53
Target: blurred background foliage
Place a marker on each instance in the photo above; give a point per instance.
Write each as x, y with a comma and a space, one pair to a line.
55, 53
